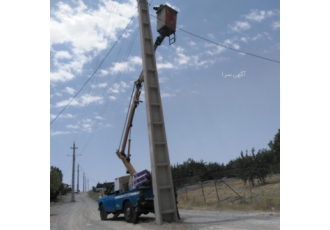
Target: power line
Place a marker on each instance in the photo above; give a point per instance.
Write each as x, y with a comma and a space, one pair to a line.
195, 35
94, 71
111, 93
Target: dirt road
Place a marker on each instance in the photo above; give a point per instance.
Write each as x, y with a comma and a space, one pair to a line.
83, 215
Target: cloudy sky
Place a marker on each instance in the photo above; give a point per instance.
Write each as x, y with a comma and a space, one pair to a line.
220, 82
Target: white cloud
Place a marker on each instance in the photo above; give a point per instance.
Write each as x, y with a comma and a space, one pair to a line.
86, 127
55, 133
69, 90
128, 66
112, 98
276, 25
118, 87
182, 59
83, 30
240, 26
61, 75
136, 60
99, 117
79, 102
256, 37
259, 15
191, 43
230, 42
72, 126
166, 65
103, 72
164, 95
210, 35
215, 49
244, 39
102, 85
62, 55
163, 79
68, 115
87, 99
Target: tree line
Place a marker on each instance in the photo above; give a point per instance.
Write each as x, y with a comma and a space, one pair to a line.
256, 166
249, 167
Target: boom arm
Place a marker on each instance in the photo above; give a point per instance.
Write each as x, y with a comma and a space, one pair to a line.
138, 84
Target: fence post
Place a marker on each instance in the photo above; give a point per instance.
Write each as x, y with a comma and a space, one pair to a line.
216, 189
203, 191
250, 191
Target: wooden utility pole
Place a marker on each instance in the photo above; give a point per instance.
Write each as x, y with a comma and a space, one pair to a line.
164, 198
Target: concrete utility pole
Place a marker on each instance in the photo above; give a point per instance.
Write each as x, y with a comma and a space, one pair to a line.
73, 164
164, 198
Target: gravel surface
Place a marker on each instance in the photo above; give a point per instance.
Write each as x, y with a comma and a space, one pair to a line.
83, 215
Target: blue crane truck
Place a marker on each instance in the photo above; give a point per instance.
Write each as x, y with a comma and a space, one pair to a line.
131, 198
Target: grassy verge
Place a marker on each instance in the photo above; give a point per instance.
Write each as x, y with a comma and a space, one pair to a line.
232, 195
93, 195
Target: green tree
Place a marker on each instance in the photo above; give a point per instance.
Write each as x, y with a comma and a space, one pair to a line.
253, 167
274, 146
55, 181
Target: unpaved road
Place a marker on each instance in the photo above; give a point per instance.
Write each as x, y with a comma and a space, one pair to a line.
83, 215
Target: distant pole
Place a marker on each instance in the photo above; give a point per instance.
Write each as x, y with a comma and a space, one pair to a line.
78, 180
73, 164
83, 182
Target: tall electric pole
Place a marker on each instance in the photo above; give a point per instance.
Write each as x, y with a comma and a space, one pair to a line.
73, 164
164, 198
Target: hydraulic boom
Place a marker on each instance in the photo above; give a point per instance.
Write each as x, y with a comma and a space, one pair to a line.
138, 85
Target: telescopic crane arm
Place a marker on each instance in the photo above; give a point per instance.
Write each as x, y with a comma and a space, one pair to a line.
138, 84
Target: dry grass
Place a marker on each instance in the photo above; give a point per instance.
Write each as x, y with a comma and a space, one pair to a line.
94, 195
264, 197
222, 197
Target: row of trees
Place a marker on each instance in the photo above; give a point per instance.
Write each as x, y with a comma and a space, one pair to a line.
247, 167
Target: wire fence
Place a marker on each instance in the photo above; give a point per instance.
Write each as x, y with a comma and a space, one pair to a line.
223, 191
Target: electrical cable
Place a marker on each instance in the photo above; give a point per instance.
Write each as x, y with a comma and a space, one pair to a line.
254, 55
116, 81
93, 73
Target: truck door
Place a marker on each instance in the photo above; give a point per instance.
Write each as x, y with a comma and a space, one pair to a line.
110, 203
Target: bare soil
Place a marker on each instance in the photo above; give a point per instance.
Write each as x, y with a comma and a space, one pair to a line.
83, 215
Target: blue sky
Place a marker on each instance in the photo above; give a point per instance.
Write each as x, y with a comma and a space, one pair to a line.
211, 112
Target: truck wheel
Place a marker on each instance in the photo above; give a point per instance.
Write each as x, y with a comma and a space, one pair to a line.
129, 212
103, 214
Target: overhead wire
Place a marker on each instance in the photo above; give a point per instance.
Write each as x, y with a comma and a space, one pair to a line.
97, 61
93, 73
111, 92
227, 47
